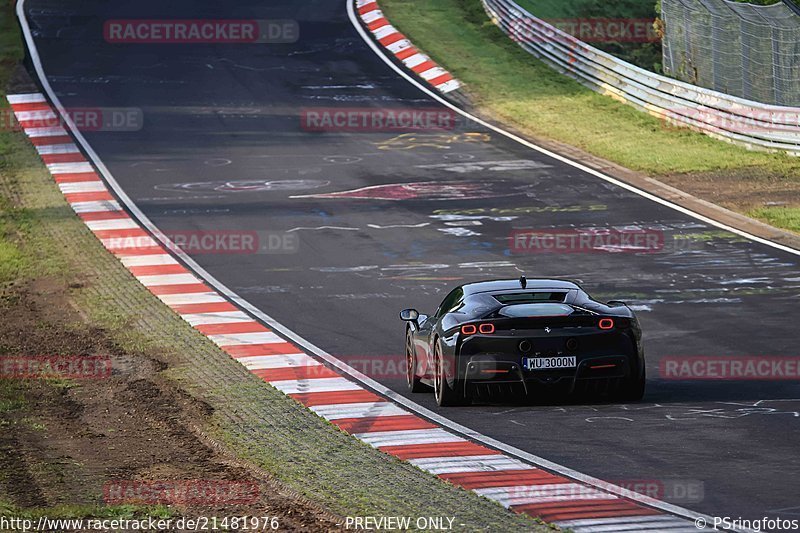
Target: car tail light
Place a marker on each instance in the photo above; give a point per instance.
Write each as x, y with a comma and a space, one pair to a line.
606, 323
469, 329
486, 329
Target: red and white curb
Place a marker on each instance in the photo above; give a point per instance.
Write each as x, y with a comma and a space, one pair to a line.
371, 418
399, 45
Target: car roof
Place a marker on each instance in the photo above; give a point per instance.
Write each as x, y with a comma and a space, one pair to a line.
514, 285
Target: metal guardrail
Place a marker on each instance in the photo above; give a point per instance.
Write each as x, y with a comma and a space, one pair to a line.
725, 117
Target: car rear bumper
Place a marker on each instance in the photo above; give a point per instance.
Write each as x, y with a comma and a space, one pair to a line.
492, 374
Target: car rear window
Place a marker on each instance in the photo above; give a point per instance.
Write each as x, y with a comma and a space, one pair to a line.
535, 310
526, 297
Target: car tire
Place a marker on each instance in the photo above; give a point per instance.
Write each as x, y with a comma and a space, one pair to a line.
414, 381
632, 389
445, 395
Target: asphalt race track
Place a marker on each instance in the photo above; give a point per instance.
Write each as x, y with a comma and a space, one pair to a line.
224, 148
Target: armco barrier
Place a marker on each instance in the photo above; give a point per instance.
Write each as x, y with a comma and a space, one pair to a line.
725, 117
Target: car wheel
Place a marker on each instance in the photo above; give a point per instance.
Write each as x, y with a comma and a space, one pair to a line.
445, 395
413, 380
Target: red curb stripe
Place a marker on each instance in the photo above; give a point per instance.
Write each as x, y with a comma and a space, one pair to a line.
504, 478
76, 197
190, 309
233, 327
45, 141
254, 350
72, 157
129, 233
444, 78
310, 399
76, 178
103, 215
157, 270
366, 8
32, 106
391, 38
39, 123
189, 288
372, 424
377, 23
446, 449
422, 67
407, 52
578, 509
138, 250
296, 372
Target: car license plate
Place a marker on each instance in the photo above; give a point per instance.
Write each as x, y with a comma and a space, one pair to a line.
548, 363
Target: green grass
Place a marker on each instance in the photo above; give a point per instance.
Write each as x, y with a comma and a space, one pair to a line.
782, 217
13, 224
11, 51
511, 85
13, 262
11, 397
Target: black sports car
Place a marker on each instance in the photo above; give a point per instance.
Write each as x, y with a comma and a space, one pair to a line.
526, 338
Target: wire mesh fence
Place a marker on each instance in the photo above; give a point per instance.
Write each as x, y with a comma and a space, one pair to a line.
740, 49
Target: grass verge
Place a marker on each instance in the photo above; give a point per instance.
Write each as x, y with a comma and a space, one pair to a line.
507, 84
781, 217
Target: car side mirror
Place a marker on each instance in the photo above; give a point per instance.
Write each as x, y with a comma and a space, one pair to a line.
409, 315
616, 303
